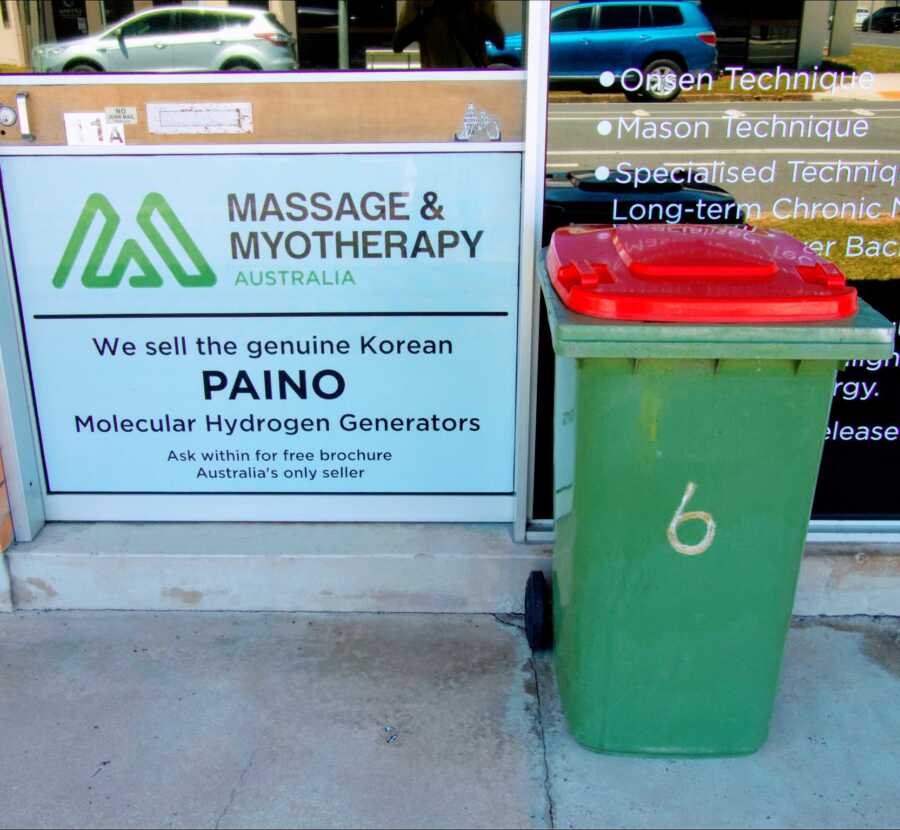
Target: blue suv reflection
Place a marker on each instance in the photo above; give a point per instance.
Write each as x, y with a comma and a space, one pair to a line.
658, 42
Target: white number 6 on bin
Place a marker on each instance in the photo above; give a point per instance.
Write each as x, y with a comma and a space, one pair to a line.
680, 516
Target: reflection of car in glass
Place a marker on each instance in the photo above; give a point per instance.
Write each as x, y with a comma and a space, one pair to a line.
668, 196
883, 20
663, 40
176, 39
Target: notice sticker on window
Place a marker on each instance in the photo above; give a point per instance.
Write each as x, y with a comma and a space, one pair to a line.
121, 115
200, 118
92, 129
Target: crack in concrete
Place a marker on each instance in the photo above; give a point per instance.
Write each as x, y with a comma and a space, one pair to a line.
548, 790
236, 788
510, 620
517, 621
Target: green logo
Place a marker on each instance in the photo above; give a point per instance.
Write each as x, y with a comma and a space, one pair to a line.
131, 254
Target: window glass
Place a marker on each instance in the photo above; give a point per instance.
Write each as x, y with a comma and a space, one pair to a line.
378, 35
667, 16
573, 20
619, 17
275, 22
646, 17
152, 24
197, 21
237, 19
115, 10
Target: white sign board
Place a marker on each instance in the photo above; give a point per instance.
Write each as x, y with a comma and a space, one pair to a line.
311, 326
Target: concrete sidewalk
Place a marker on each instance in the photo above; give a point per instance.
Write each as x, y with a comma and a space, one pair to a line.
317, 720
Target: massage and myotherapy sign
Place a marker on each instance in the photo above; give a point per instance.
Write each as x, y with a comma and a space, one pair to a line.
252, 325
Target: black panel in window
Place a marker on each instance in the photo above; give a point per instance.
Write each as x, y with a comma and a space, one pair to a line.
619, 17
574, 20
667, 16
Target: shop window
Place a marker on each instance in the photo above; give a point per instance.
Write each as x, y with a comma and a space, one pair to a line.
69, 19
115, 10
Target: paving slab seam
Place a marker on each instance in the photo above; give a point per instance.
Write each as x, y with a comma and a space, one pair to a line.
279, 611
825, 619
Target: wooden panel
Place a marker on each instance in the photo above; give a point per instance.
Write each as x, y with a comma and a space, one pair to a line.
6, 529
309, 112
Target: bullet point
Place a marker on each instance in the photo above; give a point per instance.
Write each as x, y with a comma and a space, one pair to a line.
602, 173
607, 78
604, 127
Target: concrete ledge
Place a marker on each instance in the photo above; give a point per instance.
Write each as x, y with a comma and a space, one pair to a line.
352, 567
842, 579
273, 567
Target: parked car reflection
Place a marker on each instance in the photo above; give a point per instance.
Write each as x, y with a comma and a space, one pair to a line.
886, 19
177, 39
656, 42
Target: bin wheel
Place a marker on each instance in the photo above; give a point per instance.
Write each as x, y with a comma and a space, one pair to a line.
538, 616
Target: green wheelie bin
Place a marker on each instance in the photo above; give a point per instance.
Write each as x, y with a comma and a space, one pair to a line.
695, 367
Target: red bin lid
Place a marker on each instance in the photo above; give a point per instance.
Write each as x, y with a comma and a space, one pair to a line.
695, 274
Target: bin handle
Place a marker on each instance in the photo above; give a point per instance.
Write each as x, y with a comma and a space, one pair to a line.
22, 107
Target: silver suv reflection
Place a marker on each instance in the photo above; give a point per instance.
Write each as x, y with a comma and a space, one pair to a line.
176, 39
